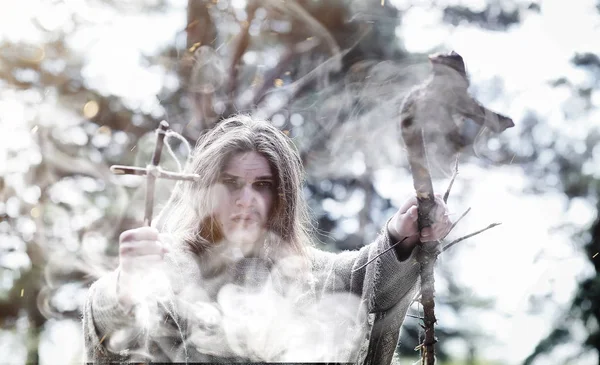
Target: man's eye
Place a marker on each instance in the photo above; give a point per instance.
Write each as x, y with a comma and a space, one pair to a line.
230, 182
263, 184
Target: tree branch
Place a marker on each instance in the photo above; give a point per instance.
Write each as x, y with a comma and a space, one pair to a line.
458, 220
447, 194
469, 236
291, 7
201, 31
412, 134
383, 252
240, 49
269, 80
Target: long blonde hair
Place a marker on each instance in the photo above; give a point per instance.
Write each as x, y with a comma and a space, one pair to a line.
188, 215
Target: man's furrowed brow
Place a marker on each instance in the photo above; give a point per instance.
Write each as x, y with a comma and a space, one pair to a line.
226, 174
262, 178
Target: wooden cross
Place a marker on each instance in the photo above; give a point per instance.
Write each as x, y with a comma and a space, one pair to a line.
152, 172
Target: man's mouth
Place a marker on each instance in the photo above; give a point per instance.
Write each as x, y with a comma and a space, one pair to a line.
244, 218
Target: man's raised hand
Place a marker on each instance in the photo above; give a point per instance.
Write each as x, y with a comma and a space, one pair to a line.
141, 254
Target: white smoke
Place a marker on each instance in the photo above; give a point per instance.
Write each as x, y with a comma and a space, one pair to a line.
271, 316
262, 324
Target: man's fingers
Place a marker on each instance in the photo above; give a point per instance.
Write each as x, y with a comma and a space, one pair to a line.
427, 233
439, 215
442, 218
441, 209
408, 204
404, 224
408, 220
140, 262
141, 248
412, 213
139, 234
166, 240
436, 231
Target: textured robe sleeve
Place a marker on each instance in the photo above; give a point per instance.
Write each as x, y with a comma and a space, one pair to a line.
138, 341
381, 284
102, 315
386, 288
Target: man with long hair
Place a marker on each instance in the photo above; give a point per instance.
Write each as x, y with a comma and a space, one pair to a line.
229, 273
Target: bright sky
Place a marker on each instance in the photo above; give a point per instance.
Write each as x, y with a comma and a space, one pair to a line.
525, 255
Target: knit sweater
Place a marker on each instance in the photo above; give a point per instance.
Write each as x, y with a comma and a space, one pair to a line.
343, 316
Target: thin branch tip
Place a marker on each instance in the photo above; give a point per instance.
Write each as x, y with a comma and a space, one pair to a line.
469, 236
458, 220
447, 194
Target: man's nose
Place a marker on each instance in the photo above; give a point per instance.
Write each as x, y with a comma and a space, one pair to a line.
246, 197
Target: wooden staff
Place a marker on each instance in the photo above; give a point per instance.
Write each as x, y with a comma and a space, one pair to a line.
429, 108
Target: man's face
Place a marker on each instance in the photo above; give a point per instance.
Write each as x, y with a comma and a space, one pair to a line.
245, 194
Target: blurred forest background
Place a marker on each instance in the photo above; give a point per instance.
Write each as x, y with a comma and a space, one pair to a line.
84, 83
